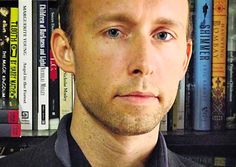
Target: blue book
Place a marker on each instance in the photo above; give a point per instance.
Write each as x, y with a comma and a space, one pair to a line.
202, 65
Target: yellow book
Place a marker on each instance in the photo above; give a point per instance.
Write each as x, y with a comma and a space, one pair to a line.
13, 73
219, 64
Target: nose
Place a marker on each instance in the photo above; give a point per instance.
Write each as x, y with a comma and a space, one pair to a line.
141, 58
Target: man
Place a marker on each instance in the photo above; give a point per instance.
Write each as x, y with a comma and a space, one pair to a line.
127, 57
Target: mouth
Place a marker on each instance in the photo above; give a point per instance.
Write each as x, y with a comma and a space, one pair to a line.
138, 97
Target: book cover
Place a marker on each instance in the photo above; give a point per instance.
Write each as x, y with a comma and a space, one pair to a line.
25, 63
43, 65
13, 73
10, 130
54, 109
219, 64
231, 67
5, 51
202, 65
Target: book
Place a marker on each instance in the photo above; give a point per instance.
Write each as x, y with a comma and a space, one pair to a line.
54, 95
219, 64
9, 116
188, 111
43, 65
5, 51
10, 130
13, 72
25, 63
231, 67
66, 93
202, 65
179, 106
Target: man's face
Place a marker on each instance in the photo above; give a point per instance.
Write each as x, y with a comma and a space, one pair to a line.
129, 58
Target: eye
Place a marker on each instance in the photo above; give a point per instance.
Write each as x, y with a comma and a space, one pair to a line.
114, 33
165, 36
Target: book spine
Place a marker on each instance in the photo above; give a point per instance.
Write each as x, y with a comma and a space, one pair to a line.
54, 110
25, 63
202, 65
66, 93
9, 116
13, 76
10, 130
231, 68
43, 66
188, 113
178, 107
35, 45
219, 64
5, 52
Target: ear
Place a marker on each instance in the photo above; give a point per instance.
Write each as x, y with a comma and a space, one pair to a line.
62, 51
187, 57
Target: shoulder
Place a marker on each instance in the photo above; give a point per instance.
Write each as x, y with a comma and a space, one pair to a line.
37, 156
180, 161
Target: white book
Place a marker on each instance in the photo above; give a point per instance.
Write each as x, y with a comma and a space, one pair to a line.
66, 93
179, 107
25, 63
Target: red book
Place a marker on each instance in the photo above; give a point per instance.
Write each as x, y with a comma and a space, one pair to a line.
9, 116
10, 130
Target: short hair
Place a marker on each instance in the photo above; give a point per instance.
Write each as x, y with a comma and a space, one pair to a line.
65, 12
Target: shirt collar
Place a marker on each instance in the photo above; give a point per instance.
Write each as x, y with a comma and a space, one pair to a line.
158, 158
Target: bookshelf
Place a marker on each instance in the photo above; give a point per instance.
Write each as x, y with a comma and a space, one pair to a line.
191, 143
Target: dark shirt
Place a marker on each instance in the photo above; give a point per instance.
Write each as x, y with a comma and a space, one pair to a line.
61, 150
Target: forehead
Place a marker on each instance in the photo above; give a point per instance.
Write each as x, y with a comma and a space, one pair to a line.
136, 10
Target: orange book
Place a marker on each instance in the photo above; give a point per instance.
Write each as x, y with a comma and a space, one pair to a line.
219, 51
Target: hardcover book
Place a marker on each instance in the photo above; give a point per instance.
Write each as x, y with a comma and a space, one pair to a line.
219, 64
231, 68
43, 65
54, 94
202, 65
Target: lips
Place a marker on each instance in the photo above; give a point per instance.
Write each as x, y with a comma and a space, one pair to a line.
138, 97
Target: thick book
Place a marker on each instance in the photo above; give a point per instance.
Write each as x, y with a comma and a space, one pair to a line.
219, 64
202, 65
43, 65
9, 116
13, 72
10, 130
54, 94
5, 51
25, 63
231, 67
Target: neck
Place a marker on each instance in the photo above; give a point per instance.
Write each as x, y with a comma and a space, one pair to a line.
102, 148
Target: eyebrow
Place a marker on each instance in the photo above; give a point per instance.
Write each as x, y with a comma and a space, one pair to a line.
100, 20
